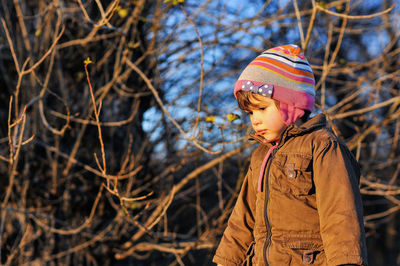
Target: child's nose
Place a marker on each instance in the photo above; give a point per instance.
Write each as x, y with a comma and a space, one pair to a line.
256, 121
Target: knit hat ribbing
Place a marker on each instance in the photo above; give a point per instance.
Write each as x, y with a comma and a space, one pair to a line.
284, 74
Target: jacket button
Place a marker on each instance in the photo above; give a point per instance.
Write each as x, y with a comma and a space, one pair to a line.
307, 259
291, 175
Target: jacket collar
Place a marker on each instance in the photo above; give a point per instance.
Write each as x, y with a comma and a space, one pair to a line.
316, 122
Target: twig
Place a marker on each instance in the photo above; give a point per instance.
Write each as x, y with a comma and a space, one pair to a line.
22, 25
44, 89
97, 237
382, 214
79, 228
201, 70
219, 185
329, 118
366, 109
103, 124
90, 169
299, 24
11, 46
52, 47
310, 26
319, 7
327, 68
10, 142
12, 168
103, 154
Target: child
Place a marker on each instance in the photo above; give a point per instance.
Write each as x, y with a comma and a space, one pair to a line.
300, 202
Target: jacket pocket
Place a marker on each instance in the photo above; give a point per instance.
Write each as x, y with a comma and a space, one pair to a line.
302, 253
294, 174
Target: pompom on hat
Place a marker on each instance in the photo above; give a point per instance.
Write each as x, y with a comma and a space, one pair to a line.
284, 74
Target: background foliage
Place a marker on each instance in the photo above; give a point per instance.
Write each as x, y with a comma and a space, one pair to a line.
120, 139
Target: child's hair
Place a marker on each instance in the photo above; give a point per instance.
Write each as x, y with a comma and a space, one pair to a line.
246, 101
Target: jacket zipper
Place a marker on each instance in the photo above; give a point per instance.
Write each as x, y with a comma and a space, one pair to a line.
269, 233
268, 240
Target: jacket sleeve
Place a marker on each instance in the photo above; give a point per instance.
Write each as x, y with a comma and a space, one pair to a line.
239, 233
336, 178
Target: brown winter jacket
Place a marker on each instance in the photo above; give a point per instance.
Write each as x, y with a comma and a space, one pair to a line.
309, 210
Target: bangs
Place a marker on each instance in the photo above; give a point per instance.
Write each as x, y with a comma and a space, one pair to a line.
247, 99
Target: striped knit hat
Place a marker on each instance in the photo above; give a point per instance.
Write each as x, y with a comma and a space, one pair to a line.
284, 74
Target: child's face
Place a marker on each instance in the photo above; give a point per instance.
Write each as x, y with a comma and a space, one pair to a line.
266, 118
